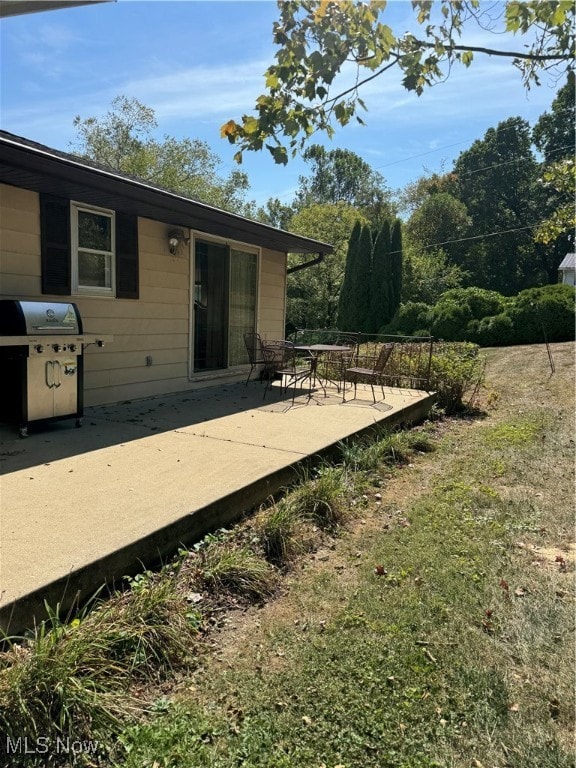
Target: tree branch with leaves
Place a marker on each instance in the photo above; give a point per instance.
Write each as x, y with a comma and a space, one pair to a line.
318, 40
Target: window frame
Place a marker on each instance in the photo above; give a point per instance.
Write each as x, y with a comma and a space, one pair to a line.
91, 290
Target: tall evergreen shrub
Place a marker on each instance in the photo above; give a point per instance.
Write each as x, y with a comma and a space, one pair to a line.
395, 266
345, 305
380, 313
372, 286
361, 284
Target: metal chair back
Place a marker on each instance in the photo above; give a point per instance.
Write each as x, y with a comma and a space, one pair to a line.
255, 350
383, 358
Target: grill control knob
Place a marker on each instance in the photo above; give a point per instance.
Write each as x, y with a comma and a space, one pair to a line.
39, 348
72, 347
57, 347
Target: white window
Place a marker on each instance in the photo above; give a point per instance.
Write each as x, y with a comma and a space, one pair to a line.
93, 251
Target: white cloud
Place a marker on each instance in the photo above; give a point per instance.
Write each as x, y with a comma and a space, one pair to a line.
200, 92
54, 36
57, 37
43, 48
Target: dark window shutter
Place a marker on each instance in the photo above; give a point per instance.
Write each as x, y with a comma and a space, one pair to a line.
127, 282
55, 244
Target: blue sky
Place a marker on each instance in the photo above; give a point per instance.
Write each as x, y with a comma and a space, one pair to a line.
198, 64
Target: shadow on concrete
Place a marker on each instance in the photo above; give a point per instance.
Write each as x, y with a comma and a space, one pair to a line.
107, 425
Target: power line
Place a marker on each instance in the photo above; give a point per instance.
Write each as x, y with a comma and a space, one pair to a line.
474, 170
500, 131
508, 162
422, 154
477, 237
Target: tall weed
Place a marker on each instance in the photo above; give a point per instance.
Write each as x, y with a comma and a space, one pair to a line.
74, 680
321, 497
226, 567
282, 532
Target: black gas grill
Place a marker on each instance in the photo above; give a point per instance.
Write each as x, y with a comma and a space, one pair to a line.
41, 355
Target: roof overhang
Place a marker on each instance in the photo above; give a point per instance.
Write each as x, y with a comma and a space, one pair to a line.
33, 166
19, 7
568, 262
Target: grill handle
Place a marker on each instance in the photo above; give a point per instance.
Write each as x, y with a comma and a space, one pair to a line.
58, 377
52, 327
49, 373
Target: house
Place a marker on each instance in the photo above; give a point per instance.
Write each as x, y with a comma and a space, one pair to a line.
566, 269
176, 282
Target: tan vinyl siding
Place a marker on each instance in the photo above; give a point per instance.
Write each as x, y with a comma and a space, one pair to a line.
157, 325
272, 295
19, 243
20, 286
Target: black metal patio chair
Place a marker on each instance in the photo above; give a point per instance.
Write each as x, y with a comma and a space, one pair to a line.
288, 366
373, 374
256, 354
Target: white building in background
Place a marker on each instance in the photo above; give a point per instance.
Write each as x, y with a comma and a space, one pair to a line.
566, 269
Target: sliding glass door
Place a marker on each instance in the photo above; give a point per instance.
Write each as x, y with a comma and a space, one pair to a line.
210, 306
243, 277
225, 285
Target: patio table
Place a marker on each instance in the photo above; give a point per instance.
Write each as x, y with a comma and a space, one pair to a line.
316, 351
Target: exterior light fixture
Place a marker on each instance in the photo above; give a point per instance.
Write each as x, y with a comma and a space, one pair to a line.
175, 237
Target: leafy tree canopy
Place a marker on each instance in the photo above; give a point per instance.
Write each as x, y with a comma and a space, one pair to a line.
495, 181
123, 140
440, 221
313, 294
561, 177
415, 193
427, 275
319, 39
553, 134
276, 213
341, 176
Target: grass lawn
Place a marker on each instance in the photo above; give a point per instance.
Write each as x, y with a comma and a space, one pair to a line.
410, 606
437, 629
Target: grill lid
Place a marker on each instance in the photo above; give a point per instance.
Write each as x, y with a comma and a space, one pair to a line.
38, 318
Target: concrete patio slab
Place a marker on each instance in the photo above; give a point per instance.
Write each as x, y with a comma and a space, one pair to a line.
81, 507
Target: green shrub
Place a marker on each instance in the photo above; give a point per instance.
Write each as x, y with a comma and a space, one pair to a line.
449, 320
492, 331
410, 316
543, 313
489, 319
456, 373
481, 302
